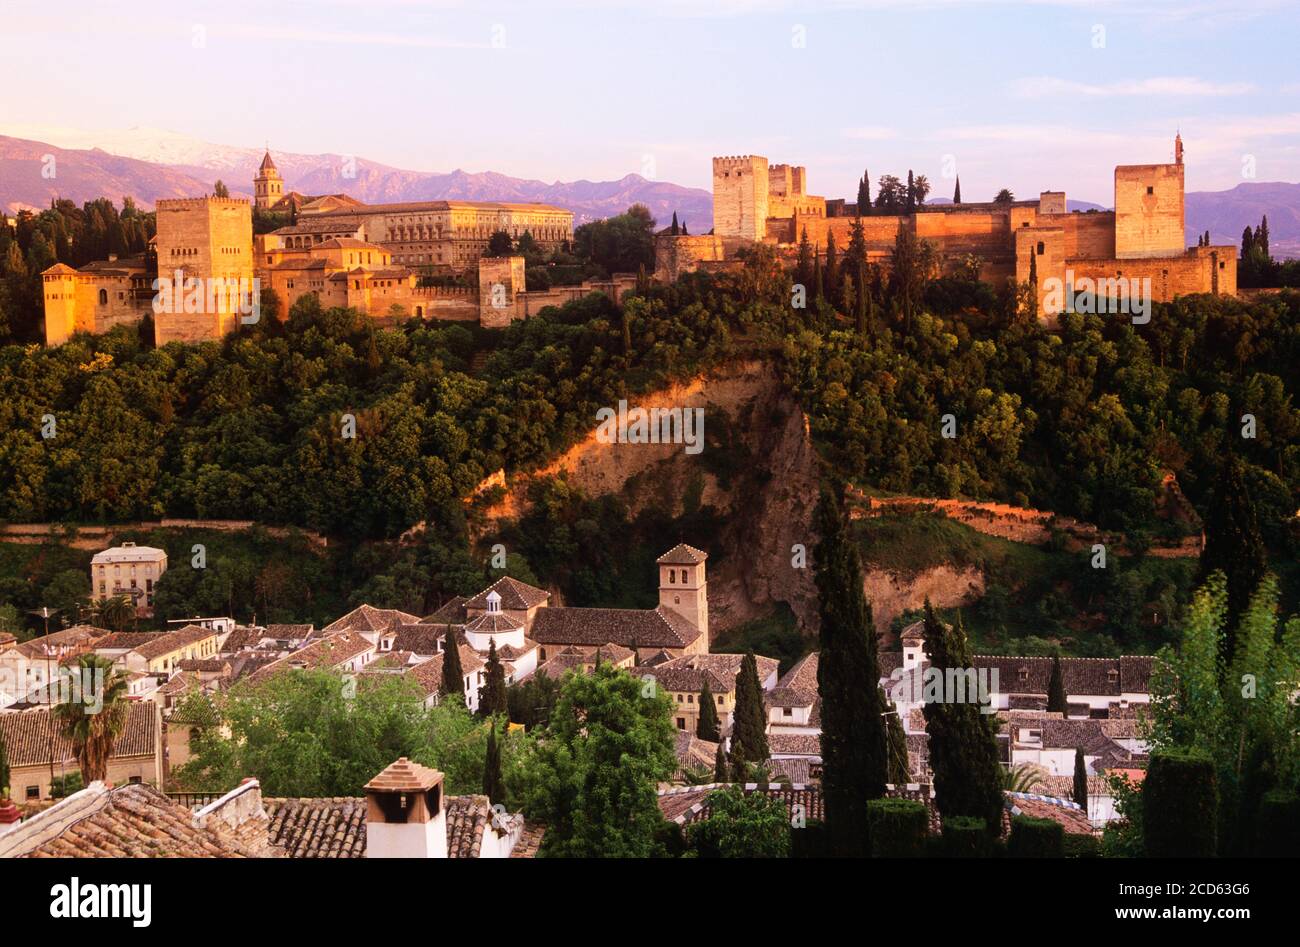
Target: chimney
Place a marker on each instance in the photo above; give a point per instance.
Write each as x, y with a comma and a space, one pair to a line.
404, 813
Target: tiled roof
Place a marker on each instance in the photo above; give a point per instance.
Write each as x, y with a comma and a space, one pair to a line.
369, 618
631, 627
689, 672
1092, 676
405, 776
336, 827
288, 631
171, 641
515, 595
126, 640
318, 828
27, 735
78, 636
451, 613
204, 664
327, 652
689, 803
913, 632
692, 752
1071, 817
492, 623
794, 744
422, 638
131, 821
682, 555
428, 674
797, 686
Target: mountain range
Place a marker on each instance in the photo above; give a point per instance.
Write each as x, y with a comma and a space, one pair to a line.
149, 163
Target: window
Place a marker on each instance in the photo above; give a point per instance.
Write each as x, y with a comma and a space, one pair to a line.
681, 723
787, 711
135, 779
672, 576
1150, 189
1041, 248
690, 698
719, 700
103, 297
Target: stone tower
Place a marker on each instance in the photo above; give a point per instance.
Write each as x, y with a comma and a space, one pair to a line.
208, 239
740, 197
268, 187
683, 585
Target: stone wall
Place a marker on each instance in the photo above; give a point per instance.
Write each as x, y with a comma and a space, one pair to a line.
1149, 210
740, 196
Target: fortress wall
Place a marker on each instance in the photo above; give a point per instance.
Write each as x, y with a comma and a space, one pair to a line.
679, 254
1191, 272
1088, 235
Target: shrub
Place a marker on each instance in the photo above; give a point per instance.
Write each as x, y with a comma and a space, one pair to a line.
1036, 838
1277, 829
1180, 805
1082, 846
897, 827
965, 837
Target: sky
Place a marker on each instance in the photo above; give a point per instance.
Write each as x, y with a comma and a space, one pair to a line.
1033, 95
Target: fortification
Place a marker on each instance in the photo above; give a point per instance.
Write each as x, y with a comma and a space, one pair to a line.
500, 281
740, 192
205, 239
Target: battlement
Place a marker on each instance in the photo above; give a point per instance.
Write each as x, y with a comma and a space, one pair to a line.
739, 163
189, 203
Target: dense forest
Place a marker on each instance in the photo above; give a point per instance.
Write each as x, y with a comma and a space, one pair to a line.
325, 422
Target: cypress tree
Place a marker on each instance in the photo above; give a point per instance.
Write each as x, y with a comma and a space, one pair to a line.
803, 271
911, 193
492, 784
4, 770
830, 273
453, 678
1056, 702
1080, 779
854, 749
864, 194
707, 728
1263, 237
674, 231
1247, 241
685, 232
956, 191
1233, 545
899, 768
720, 773
492, 695
749, 722
817, 276
963, 744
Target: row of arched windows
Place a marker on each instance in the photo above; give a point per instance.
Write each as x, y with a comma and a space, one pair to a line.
672, 577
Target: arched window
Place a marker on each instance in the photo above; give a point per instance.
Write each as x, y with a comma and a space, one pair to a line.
103, 297
672, 576
1041, 247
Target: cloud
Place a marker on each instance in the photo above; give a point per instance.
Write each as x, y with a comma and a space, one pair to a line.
1044, 86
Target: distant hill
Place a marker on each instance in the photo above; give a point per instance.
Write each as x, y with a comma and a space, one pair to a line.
156, 164
1226, 213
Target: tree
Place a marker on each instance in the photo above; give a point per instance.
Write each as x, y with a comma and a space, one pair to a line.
707, 727
220, 190
492, 698
956, 191
854, 752
4, 770
92, 726
741, 825
963, 748
830, 273
721, 771
114, 612
452, 684
493, 786
1233, 545
803, 271
749, 720
899, 766
593, 780
1080, 779
499, 244
864, 194
911, 193
1004, 196
921, 189
674, 228
1056, 701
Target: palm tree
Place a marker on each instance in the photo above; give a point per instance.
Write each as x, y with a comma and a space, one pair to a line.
1004, 197
115, 612
1023, 777
93, 723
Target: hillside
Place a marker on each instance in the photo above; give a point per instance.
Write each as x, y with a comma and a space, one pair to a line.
1226, 213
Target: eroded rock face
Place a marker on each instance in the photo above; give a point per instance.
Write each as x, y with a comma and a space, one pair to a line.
891, 594
767, 501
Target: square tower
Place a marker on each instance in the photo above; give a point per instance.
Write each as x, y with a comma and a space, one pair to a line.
1149, 211
405, 813
207, 239
683, 585
500, 281
740, 190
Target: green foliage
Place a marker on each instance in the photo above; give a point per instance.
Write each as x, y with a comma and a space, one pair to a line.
1035, 838
1233, 545
618, 244
4, 770
492, 698
301, 734
896, 741
1081, 846
741, 825
1056, 701
968, 777
853, 740
1123, 836
1180, 805
776, 636
749, 719
493, 785
1241, 715
592, 777
965, 837
708, 725
1080, 779
898, 827
1277, 833
66, 785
